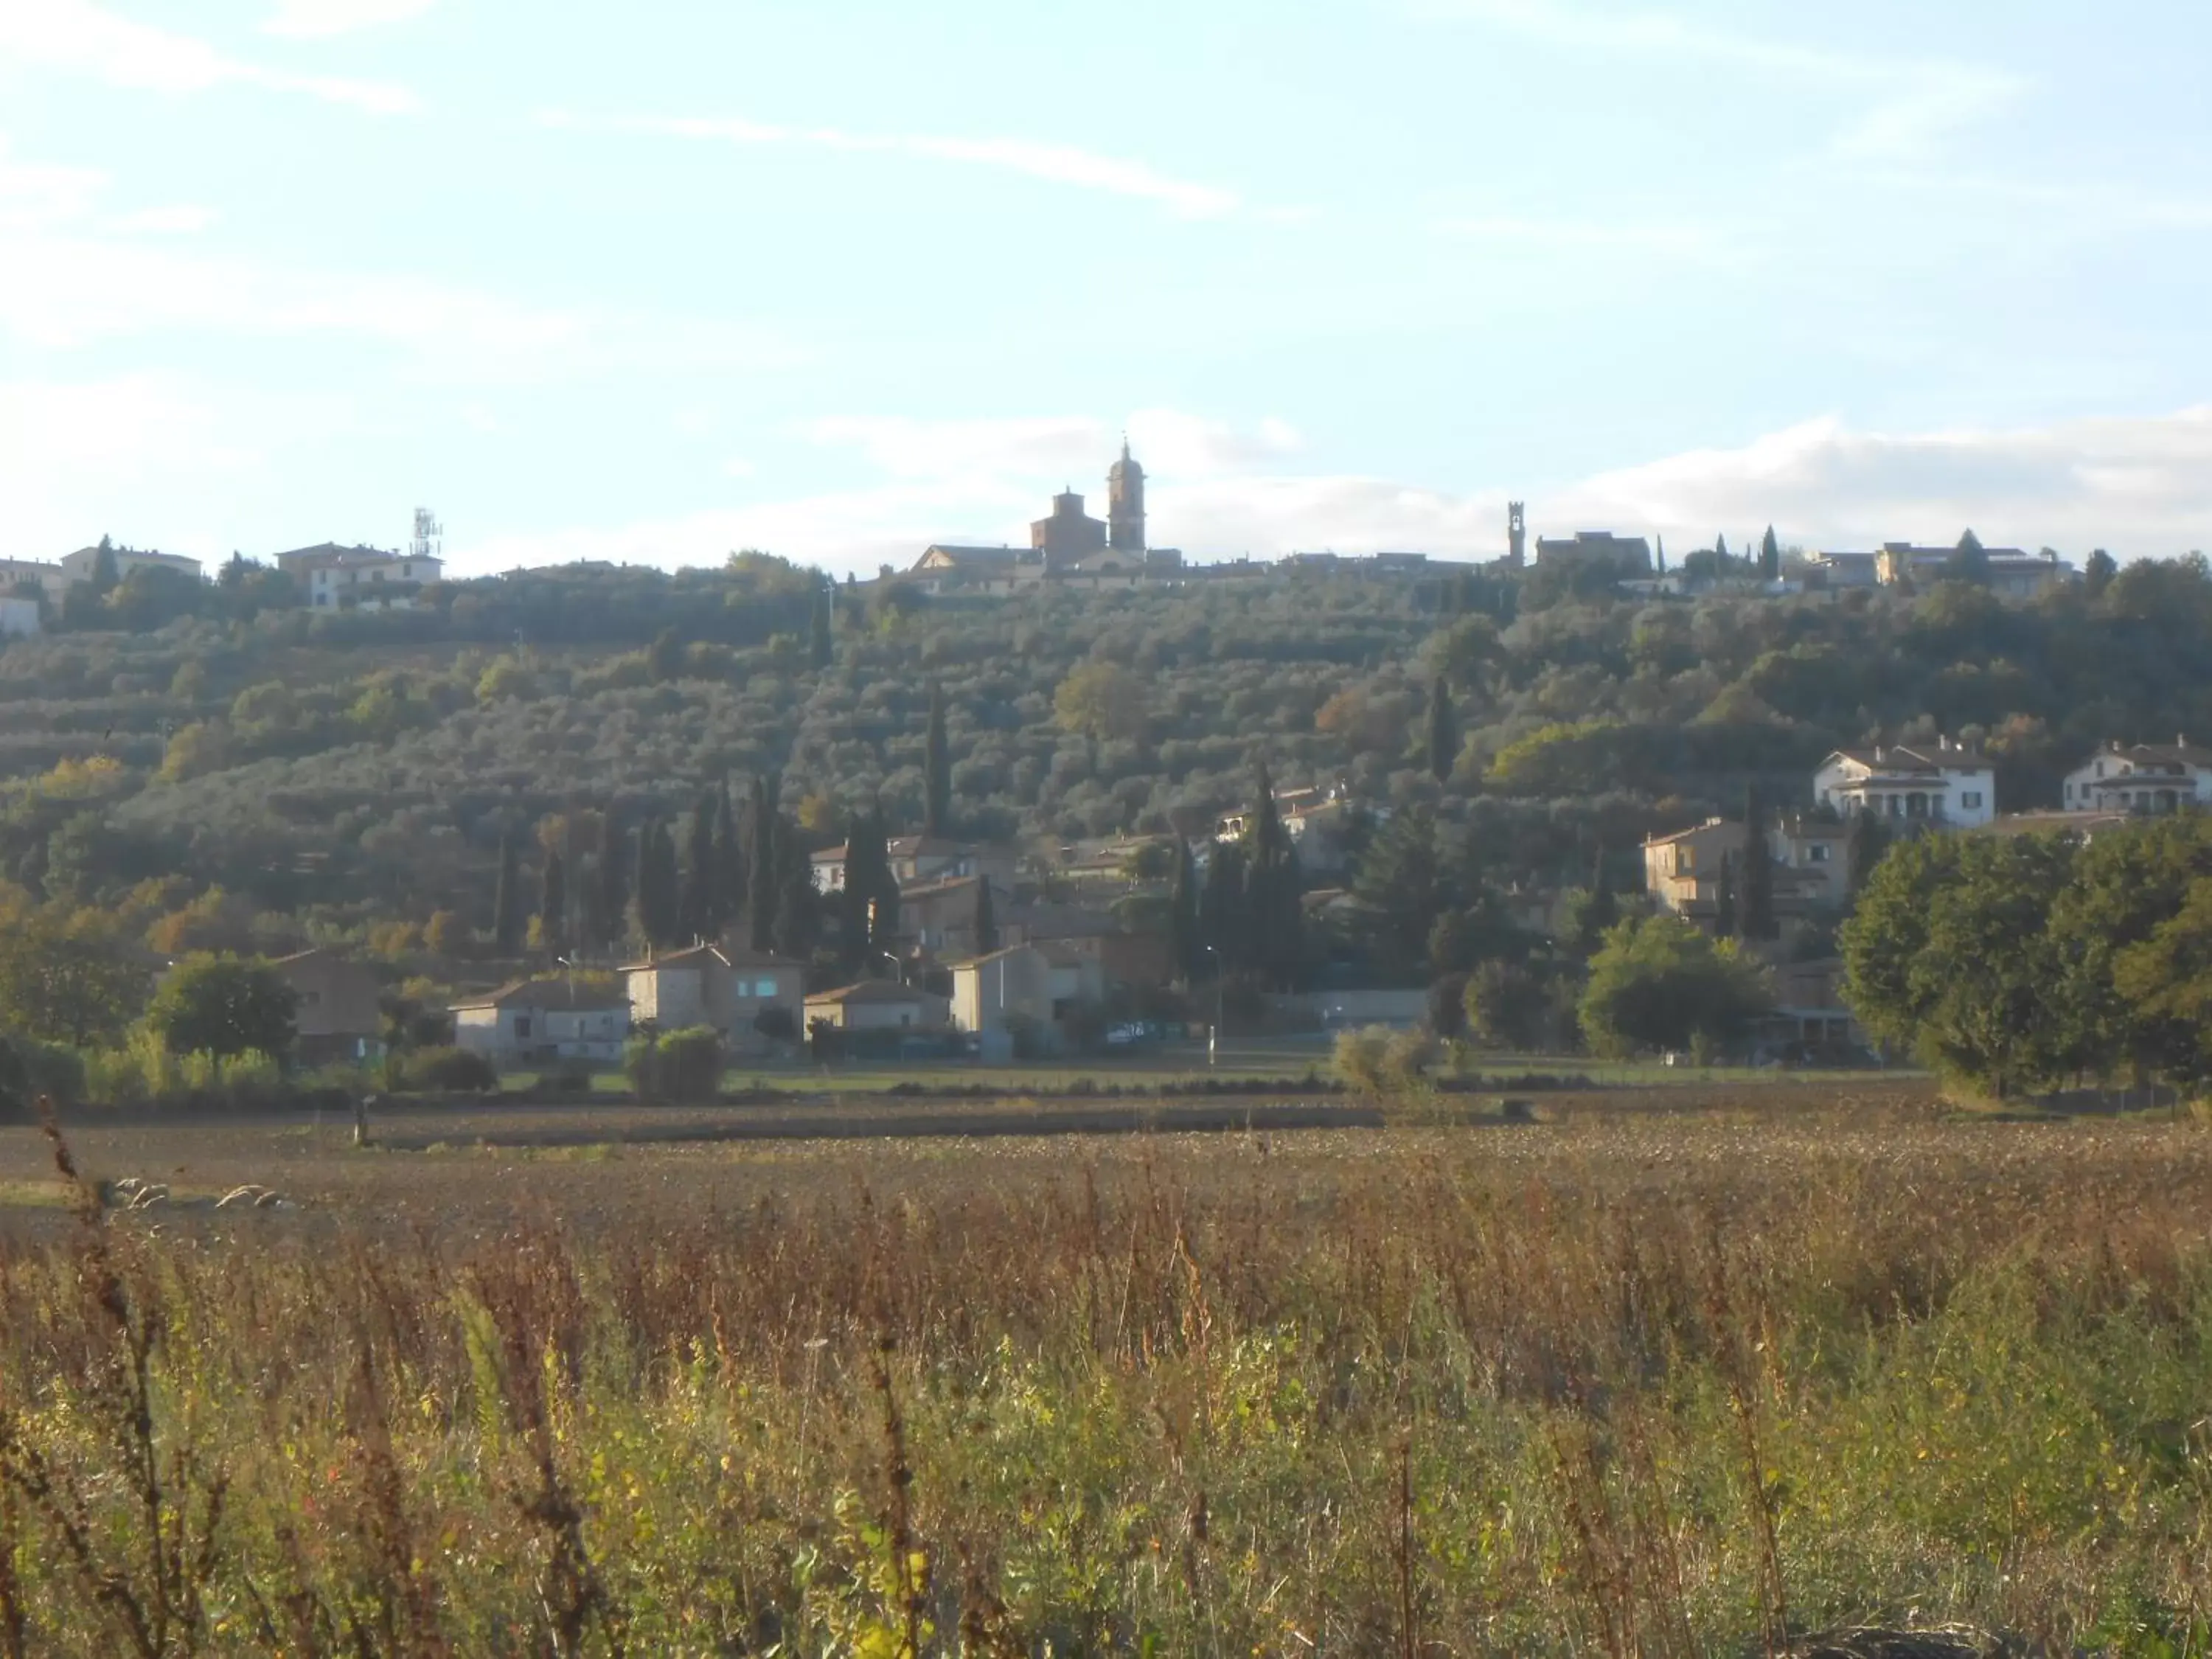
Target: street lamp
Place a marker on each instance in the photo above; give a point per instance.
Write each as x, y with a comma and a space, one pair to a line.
1213, 1031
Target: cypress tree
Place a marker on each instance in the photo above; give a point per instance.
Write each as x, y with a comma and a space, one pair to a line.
761, 910
1770, 557
667, 889
1443, 731
1663, 555
1274, 915
729, 861
986, 923
1221, 919
1865, 850
609, 877
937, 771
1755, 916
507, 897
696, 908
591, 920
1182, 914
1724, 899
553, 900
640, 884
796, 913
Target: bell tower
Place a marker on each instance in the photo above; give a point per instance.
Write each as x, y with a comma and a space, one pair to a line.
1517, 535
1125, 503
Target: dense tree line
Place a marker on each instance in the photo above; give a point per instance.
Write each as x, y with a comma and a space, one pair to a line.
2036, 962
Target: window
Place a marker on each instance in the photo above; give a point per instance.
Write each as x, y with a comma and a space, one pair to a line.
1971, 799
406, 570
765, 987
376, 576
522, 1027
1817, 853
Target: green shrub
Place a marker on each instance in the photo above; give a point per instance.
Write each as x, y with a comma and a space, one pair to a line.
675, 1066
449, 1071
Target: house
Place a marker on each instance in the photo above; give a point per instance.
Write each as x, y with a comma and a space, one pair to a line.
916, 860
878, 1004
338, 1014
545, 1021
1810, 857
995, 995
1843, 570
734, 991
939, 916
83, 565
1629, 554
2009, 572
947, 567
2141, 777
333, 577
1809, 1004
1942, 783
48, 579
19, 618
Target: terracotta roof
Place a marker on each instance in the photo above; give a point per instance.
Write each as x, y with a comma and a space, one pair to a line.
556, 995
874, 990
1706, 828
696, 954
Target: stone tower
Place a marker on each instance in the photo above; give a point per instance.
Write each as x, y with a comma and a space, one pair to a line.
1125, 504
1516, 535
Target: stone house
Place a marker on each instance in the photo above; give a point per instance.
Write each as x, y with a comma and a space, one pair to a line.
726, 989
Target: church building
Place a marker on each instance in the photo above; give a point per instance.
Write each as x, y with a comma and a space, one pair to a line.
1069, 545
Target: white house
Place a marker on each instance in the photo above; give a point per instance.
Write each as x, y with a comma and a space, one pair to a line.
360, 577
83, 565
1942, 783
730, 990
47, 578
878, 1005
542, 1021
18, 617
2141, 777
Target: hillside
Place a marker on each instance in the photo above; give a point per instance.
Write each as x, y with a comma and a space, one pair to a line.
338, 769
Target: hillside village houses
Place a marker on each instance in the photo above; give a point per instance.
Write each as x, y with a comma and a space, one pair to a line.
545, 1022
1943, 782
754, 1000
2140, 778
1066, 547
333, 577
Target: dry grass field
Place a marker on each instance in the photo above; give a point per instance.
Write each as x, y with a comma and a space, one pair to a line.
1690, 1371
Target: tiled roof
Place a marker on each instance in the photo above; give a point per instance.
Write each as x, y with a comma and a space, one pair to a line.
873, 990
556, 995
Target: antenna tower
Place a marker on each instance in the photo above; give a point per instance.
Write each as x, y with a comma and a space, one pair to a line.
429, 536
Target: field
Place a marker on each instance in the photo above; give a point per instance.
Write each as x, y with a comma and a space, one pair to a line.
1695, 1369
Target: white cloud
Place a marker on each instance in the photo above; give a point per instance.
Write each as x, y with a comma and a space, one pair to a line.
1907, 105
311, 19
1054, 163
77, 36
2139, 485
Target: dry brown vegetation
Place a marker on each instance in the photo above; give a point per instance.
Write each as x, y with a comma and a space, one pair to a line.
1703, 1380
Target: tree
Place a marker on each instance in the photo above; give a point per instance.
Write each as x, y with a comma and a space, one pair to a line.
761, 854
820, 648
1724, 908
1755, 915
1868, 841
223, 1005
1659, 982
1101, 701
1949, 954
730, 890
871, 895
667, 890
2097, 574
66, 977
507, 897
797, 913
936, 771
1968, 562
1400, 890
1508, 1006
553, 900
1273, 893
1221, 918
1182, 914
613, 893
1770, 557
1443, 731
697, 912
985, 927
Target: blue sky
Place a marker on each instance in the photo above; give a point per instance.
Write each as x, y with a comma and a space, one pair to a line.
656, 281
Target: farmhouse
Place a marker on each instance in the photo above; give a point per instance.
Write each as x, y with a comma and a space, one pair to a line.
753, 999
544, 1021
2141, 777
1943, 784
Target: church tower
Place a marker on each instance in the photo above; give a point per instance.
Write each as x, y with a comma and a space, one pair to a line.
1125, 504
1517, 535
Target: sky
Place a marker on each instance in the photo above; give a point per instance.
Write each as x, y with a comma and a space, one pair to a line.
658, 281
